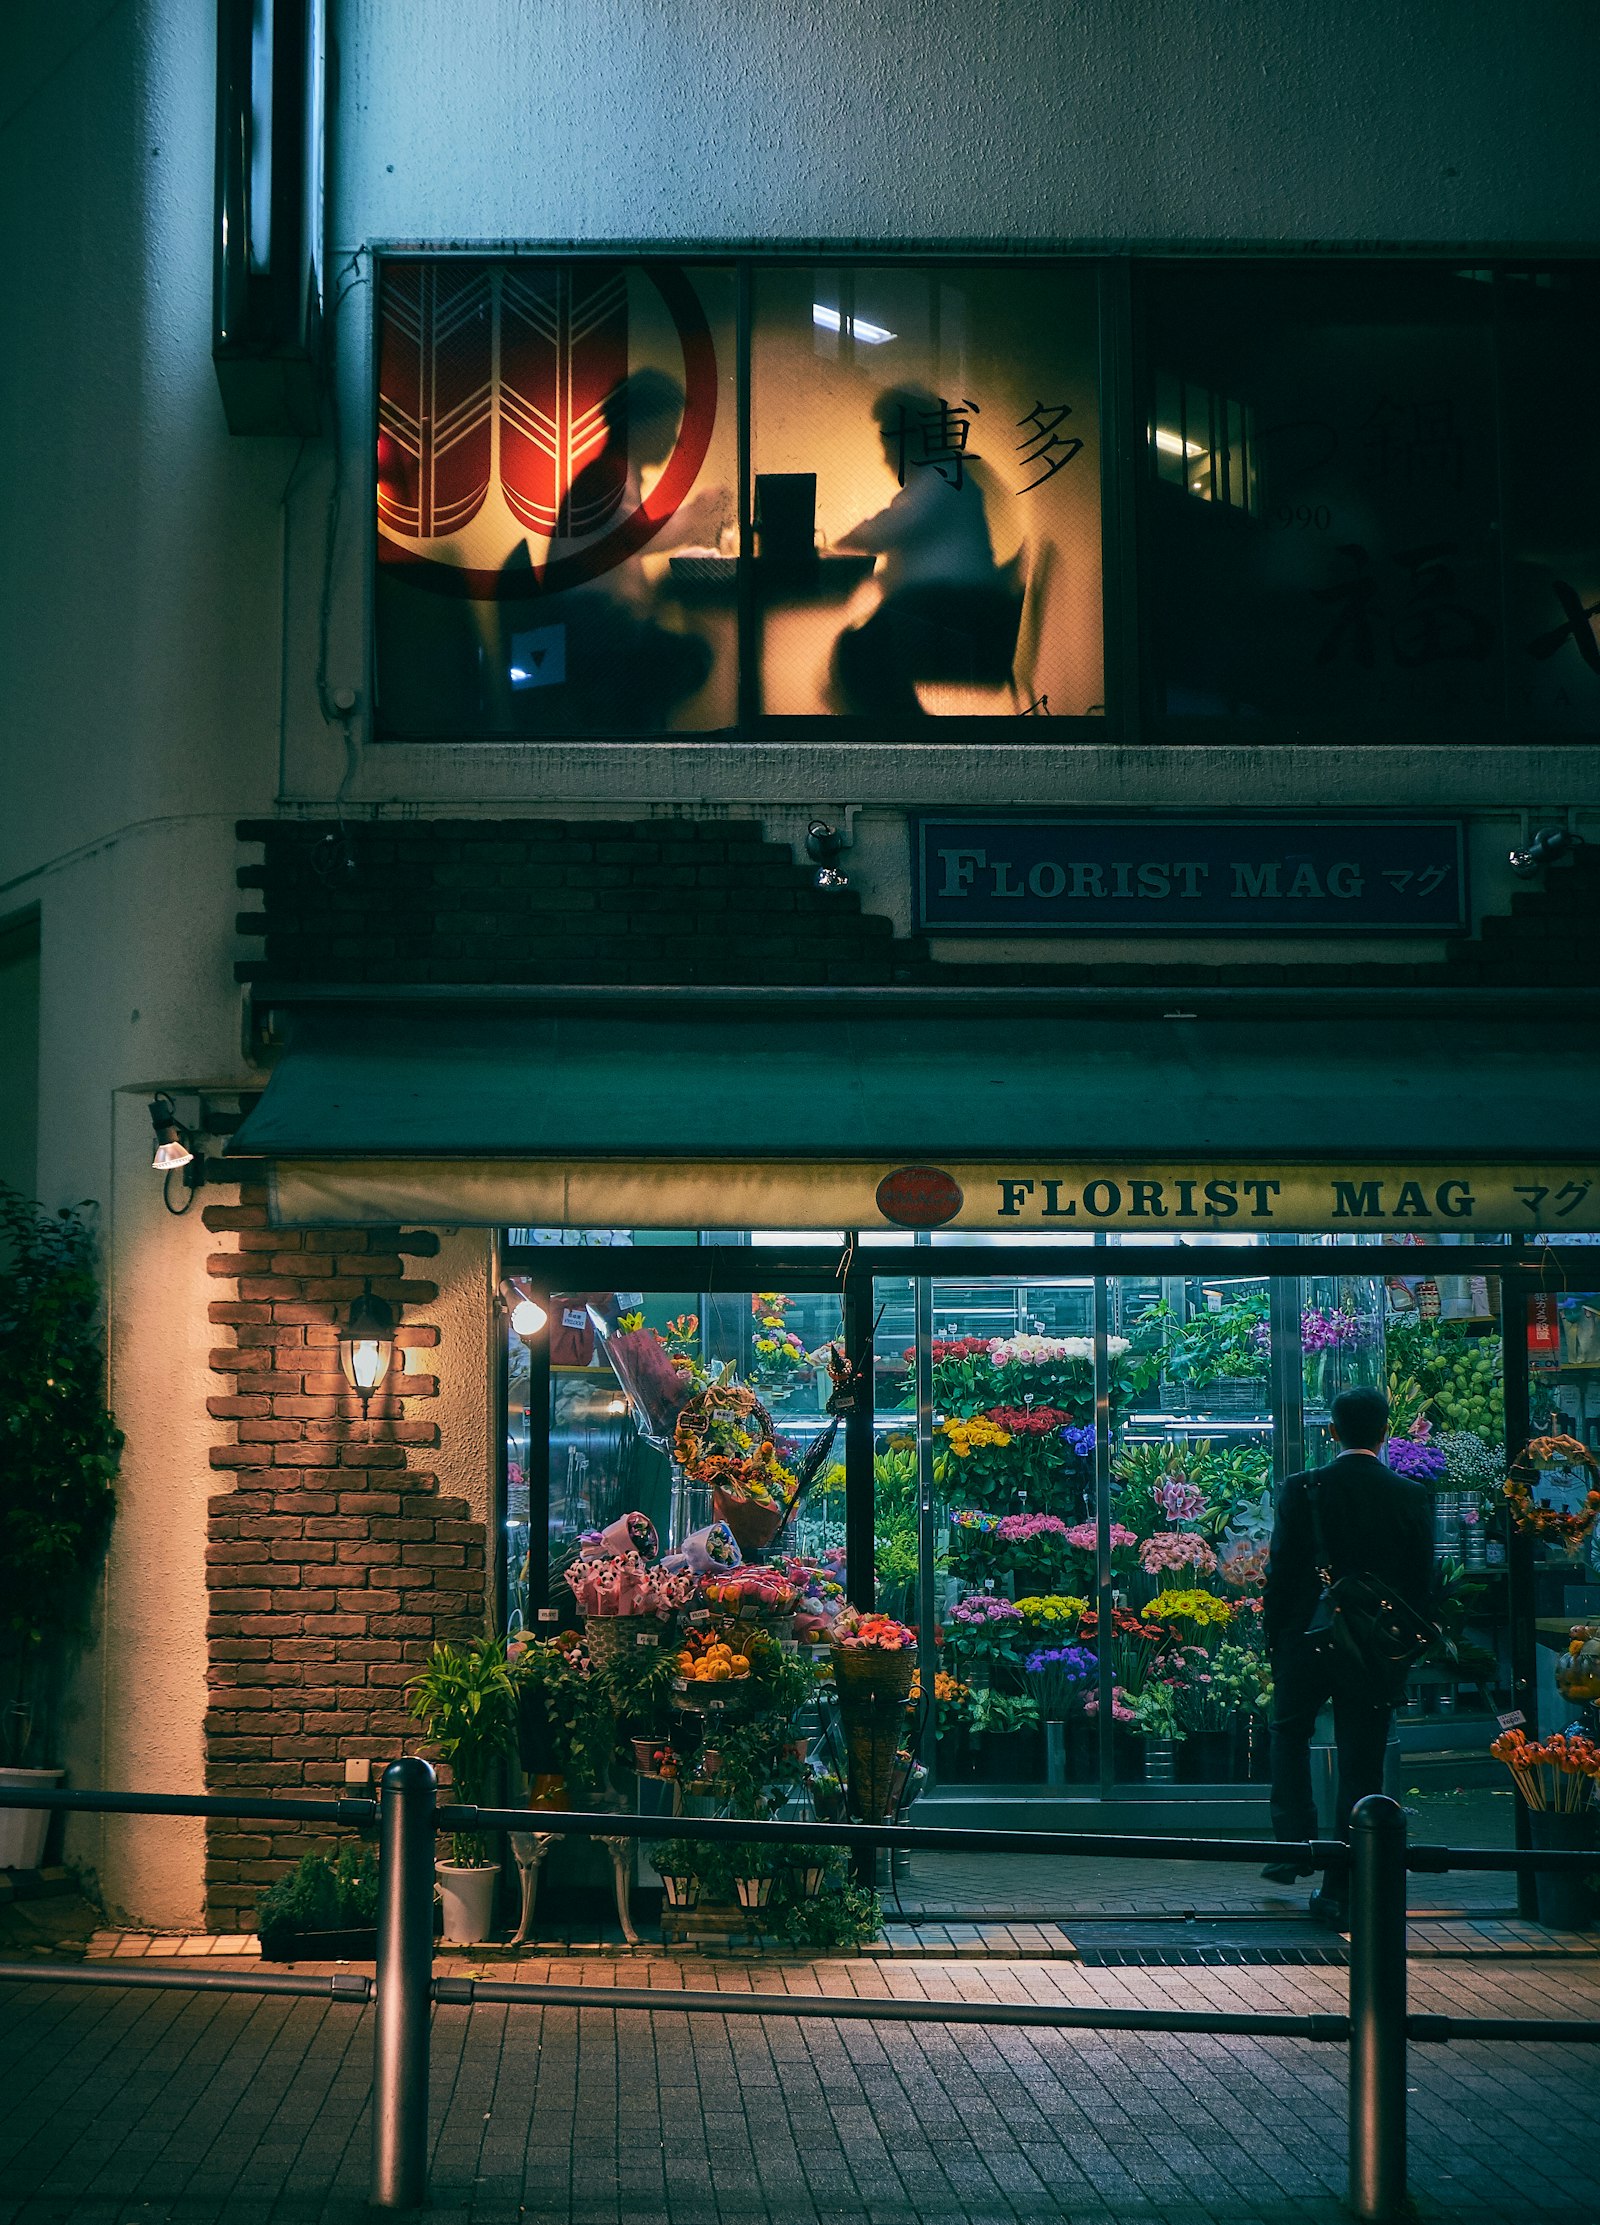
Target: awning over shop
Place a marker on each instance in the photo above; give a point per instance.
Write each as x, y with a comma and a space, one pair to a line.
631, 1109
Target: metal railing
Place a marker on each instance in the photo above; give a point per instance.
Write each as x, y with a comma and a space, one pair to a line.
1376, 2027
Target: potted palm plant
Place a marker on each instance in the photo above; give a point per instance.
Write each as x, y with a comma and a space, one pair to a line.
466, 1702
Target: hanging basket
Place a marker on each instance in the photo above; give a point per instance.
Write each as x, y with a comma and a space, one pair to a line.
753, 1892
681, 1892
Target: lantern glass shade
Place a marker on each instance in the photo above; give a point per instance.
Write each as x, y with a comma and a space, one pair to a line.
366, 1345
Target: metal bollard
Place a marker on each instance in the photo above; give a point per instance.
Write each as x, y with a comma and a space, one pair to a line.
403, 2015
1377, 2101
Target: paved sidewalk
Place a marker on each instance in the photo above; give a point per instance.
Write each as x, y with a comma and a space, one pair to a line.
1286, 1936
183, 2110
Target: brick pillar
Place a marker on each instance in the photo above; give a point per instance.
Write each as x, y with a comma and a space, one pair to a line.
333, 1562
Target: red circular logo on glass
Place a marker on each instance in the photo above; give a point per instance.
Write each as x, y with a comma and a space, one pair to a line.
919, 1197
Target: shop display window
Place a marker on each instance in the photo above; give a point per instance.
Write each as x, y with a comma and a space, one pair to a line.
1072, 1474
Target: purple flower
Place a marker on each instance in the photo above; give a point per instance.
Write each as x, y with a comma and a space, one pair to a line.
1076, 1663
1328, 1331
981, 1607
1080, 1438
1407, 1458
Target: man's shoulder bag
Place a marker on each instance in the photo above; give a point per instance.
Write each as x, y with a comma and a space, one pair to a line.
1361, 1627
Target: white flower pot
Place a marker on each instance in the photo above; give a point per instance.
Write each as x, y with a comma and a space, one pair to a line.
23, 1830
468, 1898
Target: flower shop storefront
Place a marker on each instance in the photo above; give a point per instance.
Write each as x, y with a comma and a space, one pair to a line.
818, 1311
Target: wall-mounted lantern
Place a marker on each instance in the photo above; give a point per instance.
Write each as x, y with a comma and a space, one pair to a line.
366, 1345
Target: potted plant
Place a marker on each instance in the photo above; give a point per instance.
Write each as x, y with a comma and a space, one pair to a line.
752, 1865
677, 1861
465, 1699
326, 1909
56, 1501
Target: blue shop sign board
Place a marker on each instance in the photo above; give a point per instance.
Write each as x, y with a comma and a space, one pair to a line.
1009, 874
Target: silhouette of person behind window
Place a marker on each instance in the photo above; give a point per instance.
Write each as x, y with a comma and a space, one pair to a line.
623, 669
948, 611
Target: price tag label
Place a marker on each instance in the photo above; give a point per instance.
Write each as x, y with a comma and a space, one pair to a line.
549, 1614
1512, 1721
680, 1684
700, 1614
790, 1645
645, 1638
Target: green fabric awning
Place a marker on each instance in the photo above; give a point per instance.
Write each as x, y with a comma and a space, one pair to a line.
672, 1075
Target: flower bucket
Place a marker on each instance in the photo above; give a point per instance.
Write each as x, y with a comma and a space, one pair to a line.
23, 1831
753, 1892
467, 1896
1565, 1903
681, 1892
752, 1524
644, 1755
1159, 1761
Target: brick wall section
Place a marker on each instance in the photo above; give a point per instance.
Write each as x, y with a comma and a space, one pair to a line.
534, 900
333, 1561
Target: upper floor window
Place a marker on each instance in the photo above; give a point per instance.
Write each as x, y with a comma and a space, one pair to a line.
625, 498
1399, 530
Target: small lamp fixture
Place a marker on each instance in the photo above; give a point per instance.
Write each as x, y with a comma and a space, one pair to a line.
528, 1317
366, 1345
171, 1149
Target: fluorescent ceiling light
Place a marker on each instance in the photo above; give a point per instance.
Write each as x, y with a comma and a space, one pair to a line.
1173, 444
829, 320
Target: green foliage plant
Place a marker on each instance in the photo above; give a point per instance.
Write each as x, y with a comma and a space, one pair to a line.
553, 1680
839, 1917
1157, 1711
322, 1893
59, 1449
465, 1699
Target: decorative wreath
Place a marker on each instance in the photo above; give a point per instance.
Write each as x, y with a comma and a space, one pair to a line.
1533, 1514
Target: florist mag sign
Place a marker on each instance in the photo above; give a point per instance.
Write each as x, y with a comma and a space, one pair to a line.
1008, 874
1223, 1197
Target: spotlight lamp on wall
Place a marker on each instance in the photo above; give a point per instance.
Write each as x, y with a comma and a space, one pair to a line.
176, 1154
366, 1346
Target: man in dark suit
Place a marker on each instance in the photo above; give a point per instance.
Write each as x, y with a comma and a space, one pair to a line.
1374, 1523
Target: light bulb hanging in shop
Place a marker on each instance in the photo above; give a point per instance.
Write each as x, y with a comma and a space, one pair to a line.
527, 1316
366, 1345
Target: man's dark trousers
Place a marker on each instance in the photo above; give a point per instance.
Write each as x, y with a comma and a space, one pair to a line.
1302, 1687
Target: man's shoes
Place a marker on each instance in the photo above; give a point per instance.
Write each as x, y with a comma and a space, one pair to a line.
1286, 1873
1327, 1909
